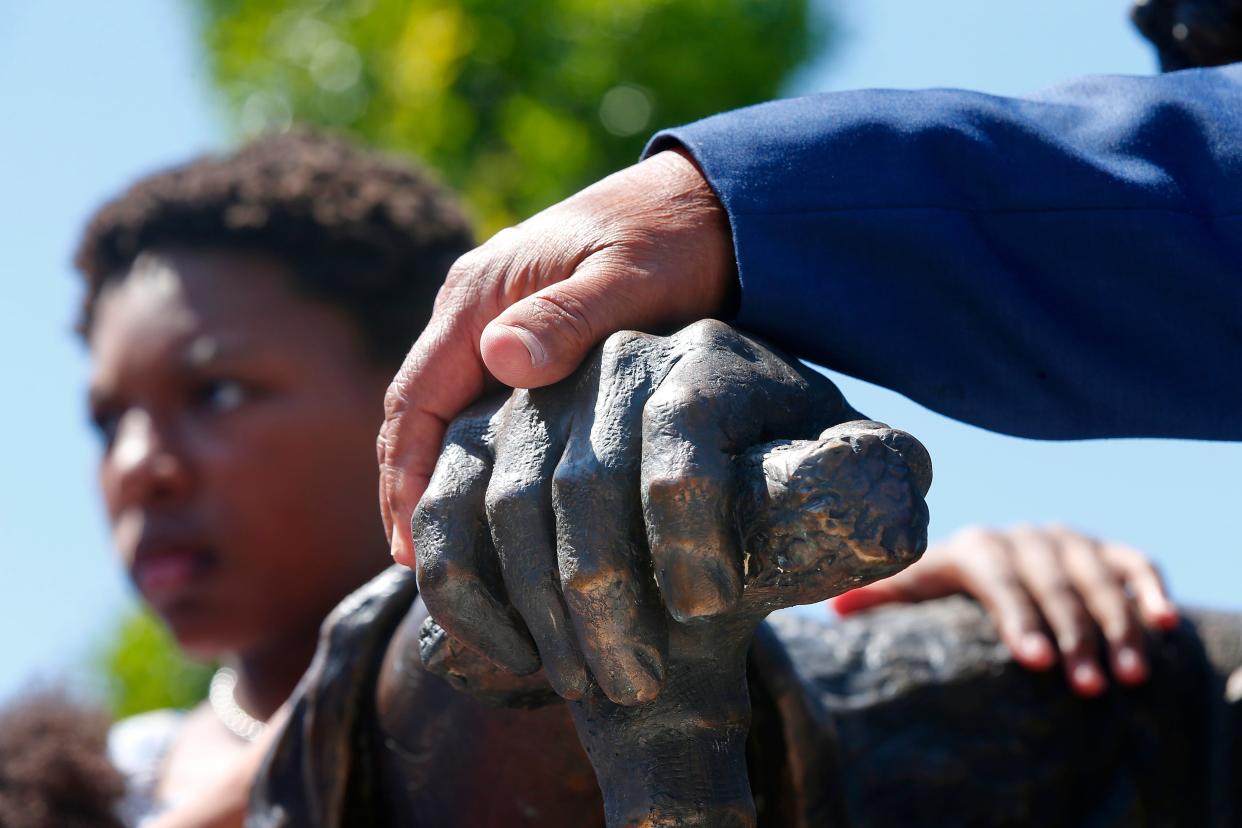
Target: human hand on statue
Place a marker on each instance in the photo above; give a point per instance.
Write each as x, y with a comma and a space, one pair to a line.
562, 528
647, 248
1046, 589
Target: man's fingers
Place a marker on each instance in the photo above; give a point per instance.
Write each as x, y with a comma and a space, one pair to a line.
1144, 582
401, 493
518, 505
542, 338
647, 248
1106, 600
381, 450
458, 575
441, 376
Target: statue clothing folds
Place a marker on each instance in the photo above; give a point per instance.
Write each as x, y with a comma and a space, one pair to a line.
909, 716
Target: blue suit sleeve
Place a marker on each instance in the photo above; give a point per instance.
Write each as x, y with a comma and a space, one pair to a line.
1066, 265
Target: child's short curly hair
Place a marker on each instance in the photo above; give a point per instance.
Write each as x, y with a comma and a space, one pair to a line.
54, 768
368, 234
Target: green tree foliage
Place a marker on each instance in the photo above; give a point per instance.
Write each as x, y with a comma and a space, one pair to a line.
517, 103
143, 670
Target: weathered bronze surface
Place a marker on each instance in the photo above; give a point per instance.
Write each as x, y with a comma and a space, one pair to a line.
939, 727
616, 539
909, 716
674, 536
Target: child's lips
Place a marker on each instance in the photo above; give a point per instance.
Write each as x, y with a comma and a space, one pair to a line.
163, 571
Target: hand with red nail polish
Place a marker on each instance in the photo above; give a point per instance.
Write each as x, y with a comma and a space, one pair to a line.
1049, 591
648, 248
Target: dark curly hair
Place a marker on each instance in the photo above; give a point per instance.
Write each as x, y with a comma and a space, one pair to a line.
371, 235
54, 768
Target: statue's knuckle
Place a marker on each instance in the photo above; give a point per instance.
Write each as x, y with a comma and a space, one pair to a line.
573, 483
434, 575
693, 605
507, 501
431, 513
665, 488
621, 341
586, 578
708, 330
668, 408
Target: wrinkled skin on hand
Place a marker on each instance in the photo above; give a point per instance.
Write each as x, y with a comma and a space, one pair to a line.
628, 528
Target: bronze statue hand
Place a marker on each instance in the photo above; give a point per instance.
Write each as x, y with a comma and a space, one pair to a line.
646, 469
588, 488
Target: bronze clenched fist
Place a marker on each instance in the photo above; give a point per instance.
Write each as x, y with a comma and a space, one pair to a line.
629, 527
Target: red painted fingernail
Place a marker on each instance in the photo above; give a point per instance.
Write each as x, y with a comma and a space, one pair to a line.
1036, 648
1130, 667
1087, 678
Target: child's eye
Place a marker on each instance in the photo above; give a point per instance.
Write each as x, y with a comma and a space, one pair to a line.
104, 422
222, 395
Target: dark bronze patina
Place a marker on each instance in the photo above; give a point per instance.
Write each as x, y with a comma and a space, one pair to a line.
562, 539
674, 536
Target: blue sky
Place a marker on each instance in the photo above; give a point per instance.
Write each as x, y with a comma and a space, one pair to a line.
96, 94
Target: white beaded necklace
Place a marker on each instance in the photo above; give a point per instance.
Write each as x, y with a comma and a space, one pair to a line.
224, 704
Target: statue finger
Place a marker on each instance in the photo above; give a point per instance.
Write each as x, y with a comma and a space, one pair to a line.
459, 577
467, 671
519, 513
724, 394
601, 544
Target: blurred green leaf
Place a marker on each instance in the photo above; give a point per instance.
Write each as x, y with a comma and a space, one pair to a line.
143, 669
517, 103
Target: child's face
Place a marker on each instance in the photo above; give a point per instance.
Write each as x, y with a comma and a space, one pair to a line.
239, 422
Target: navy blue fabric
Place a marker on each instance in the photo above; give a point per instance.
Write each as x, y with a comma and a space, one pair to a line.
1065, 265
